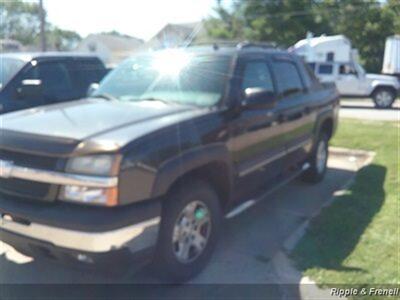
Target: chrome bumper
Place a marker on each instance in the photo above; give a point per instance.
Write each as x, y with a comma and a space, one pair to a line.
9, 170
134, 237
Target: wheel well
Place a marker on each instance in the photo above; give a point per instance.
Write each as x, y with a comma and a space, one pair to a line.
214, 173
383, 87
327, 127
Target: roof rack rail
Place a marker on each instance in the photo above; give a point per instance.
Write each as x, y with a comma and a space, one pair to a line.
266, 45
237, 44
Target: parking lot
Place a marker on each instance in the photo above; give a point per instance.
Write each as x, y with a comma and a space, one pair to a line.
250, 251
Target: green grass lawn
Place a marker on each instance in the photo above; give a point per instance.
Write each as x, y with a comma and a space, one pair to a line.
356, 240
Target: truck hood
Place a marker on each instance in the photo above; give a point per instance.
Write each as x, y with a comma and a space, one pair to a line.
85, 119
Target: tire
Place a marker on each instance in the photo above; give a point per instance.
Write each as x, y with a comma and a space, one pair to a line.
383, 97
318, 160
167, 263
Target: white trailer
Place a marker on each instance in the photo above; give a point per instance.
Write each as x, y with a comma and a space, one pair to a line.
391, 59
336, 48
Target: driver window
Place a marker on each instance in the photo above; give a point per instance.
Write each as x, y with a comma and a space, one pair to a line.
345, 69
55, 78
257, 75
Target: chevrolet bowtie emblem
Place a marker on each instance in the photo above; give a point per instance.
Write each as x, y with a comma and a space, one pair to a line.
6, 167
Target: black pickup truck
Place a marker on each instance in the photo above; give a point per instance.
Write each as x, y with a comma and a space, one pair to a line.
170, 144
32, 79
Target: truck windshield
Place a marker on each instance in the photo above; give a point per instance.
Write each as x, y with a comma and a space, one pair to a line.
169, 76
8, 68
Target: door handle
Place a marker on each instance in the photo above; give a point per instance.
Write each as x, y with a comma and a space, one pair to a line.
307, 110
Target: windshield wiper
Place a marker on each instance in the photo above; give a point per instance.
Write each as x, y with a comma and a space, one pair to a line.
105, 97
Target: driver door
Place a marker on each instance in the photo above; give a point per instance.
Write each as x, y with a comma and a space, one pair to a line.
258, 143
348, 82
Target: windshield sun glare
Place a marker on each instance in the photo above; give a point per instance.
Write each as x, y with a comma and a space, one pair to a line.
170, 62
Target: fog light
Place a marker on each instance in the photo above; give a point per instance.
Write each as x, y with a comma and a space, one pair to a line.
88, 195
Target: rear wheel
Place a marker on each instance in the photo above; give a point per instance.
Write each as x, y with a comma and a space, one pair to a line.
318, 160
189, 231
384, 97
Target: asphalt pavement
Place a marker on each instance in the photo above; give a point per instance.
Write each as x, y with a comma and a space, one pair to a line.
364, 109
246, 253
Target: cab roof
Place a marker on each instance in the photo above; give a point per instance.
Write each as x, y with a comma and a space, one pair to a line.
28, 56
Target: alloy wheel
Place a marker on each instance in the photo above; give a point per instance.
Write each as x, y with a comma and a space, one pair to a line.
384, 99
191, 232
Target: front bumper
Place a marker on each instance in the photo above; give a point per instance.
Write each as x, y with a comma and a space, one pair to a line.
117, 261
132, 230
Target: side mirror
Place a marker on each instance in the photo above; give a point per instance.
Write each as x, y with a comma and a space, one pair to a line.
255, 98
30, 88
92, 88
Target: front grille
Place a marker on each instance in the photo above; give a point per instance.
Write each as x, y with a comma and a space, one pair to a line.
25, 189
29, 160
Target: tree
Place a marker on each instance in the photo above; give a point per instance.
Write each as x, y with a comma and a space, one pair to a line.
228, 24
393, 8
283, 21
116, 33
19, 20
62, 40
366, 23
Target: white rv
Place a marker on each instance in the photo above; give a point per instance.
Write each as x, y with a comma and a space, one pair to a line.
333, 60
391, 59
325, 48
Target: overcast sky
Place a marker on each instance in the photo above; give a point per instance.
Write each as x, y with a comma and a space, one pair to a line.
139, 18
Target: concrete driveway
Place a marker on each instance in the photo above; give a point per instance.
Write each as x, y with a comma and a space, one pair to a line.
244, 254
364, 109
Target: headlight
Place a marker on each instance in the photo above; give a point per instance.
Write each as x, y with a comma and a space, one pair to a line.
94, 165
102, 165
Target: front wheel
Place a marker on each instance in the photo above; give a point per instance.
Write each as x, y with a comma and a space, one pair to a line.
318, 160
189, 231
384, 97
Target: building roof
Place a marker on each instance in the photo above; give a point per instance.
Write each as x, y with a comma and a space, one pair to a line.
184, 31
187, 28
115, 42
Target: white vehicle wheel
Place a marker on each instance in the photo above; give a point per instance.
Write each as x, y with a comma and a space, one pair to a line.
384, 97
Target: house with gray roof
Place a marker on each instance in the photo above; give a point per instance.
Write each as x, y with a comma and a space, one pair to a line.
175, 35
112, 49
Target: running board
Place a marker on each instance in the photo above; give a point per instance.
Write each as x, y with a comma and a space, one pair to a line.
249, 203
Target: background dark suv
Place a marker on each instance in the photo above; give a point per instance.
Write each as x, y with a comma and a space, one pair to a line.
29, 80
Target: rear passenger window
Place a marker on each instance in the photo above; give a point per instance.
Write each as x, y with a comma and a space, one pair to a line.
257, 74
325, 69
288, 78
86, 72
